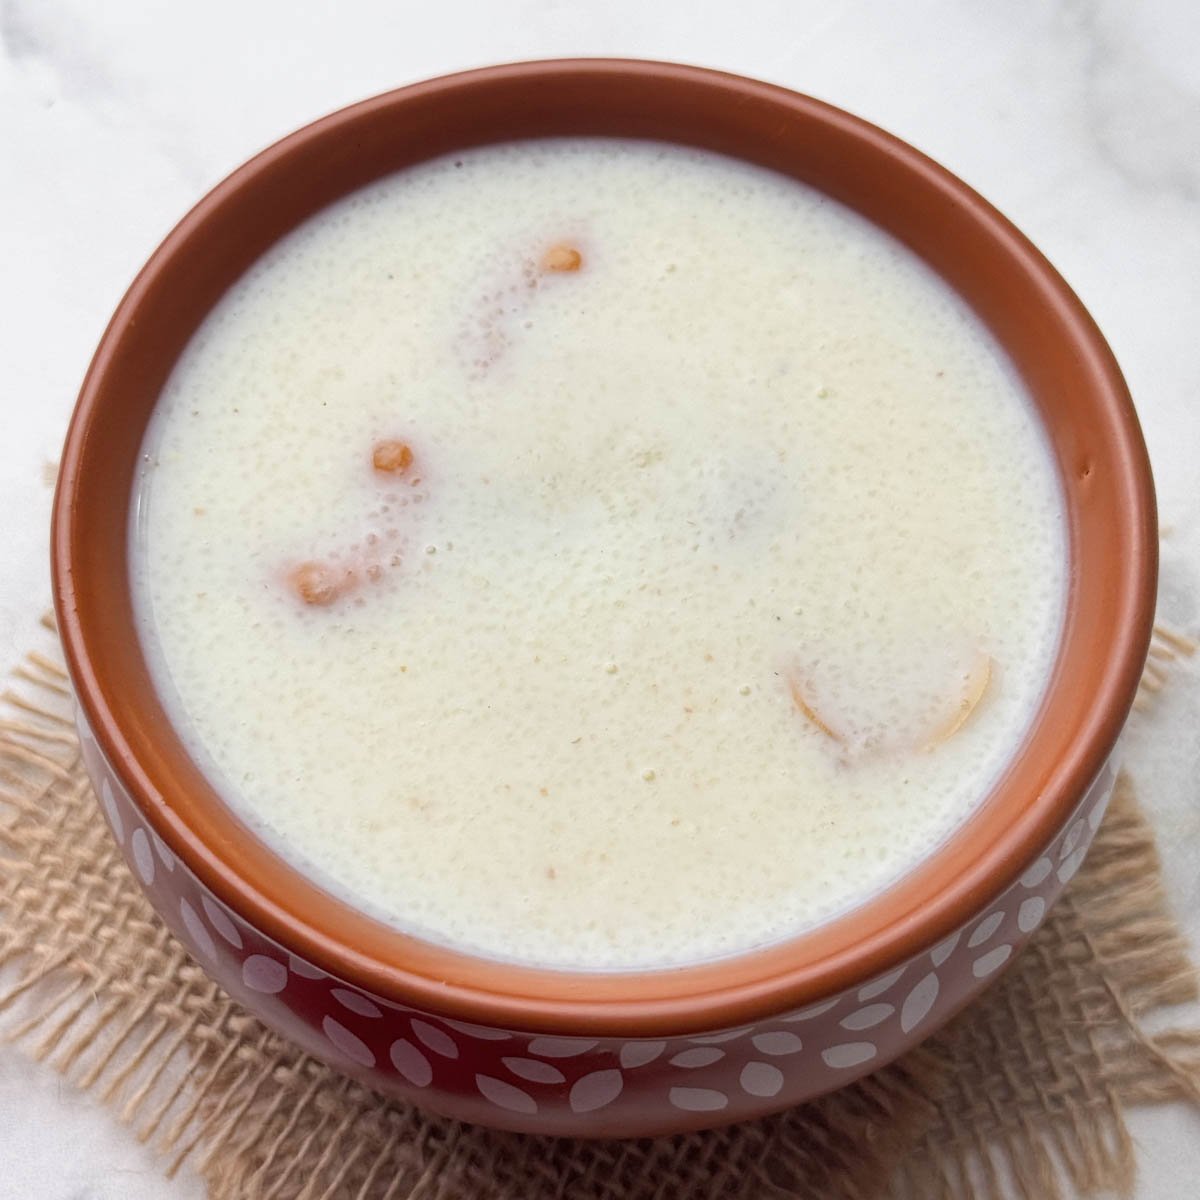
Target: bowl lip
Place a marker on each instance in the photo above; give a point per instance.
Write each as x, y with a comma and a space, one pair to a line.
695, 997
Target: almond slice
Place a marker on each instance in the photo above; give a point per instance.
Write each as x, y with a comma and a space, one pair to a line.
977, 683
810, 714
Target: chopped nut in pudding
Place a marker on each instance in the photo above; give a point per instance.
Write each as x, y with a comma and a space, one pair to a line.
392, 456
562, 258
320, 584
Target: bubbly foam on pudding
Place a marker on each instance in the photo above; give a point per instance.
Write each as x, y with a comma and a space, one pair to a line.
717, 573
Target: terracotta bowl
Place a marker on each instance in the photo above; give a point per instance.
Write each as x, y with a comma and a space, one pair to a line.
611, 1054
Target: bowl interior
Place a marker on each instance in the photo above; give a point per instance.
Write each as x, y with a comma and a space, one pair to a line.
1051, 339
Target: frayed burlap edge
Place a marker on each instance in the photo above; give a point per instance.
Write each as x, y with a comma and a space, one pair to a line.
1022, 1096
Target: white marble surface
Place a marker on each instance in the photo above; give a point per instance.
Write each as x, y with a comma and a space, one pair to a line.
1081, 120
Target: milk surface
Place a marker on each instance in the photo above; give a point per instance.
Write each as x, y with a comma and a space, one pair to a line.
725, 574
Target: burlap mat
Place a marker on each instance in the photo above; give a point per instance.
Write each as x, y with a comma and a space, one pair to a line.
1021, 1096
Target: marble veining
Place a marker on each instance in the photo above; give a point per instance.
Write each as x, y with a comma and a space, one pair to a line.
1121, 84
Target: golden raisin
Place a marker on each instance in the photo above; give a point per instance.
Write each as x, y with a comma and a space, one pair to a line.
392, 456
316, 583
562, 258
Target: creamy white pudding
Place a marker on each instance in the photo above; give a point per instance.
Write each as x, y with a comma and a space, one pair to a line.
598, 554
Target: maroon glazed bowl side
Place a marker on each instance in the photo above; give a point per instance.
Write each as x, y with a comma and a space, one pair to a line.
628, 1053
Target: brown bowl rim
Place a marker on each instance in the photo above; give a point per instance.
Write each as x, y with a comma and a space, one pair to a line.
972, 867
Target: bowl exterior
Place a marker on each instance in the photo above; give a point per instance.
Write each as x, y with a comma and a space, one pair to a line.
593, 1087
627, 1054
